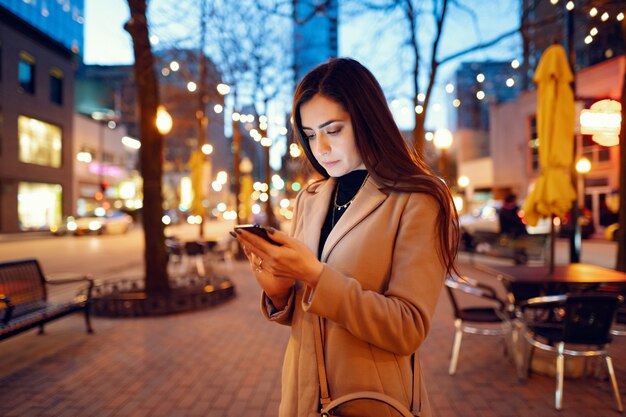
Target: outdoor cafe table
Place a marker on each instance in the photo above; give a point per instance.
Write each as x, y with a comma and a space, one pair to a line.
529, 281
523, 282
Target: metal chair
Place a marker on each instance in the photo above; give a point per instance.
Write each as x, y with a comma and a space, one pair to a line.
619, 327
475, 319
578, 321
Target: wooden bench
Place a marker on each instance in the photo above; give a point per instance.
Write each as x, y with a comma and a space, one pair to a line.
24, 301
521, 249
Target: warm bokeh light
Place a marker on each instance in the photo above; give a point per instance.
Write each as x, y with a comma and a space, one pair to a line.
463, 181
583, 165
223, 89
164, 121
443, 139
207, 149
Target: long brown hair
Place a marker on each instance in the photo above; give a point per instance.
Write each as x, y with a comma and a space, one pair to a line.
384, 152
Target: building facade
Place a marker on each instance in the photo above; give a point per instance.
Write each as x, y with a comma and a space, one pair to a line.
36, 127
315, 34
62, 20
513, 161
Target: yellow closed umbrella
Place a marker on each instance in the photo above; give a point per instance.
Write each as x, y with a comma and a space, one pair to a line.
553, 193
196, 164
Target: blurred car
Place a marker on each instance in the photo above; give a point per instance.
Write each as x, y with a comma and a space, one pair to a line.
112, 222
486, 219
611, 231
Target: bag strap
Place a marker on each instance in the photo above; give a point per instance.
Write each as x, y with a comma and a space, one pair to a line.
367, 395
319, 356
328, 404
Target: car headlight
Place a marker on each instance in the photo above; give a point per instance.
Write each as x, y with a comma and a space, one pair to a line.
95, 225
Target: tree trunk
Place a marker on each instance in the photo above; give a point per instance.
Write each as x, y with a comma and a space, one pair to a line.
621, 236
151, 154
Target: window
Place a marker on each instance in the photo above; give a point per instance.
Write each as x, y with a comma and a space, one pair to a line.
26, 73
40, 143
39, 205
56, 86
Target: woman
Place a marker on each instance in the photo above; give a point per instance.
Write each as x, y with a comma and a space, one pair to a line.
369, 249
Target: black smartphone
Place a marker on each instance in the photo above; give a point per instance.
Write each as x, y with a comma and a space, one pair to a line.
258, 230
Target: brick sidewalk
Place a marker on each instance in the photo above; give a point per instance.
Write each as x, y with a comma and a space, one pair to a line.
226, 361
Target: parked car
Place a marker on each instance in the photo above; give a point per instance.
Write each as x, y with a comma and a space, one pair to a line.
486, 219
112, 222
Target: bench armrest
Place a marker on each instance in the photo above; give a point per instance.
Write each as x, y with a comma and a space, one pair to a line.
72, 280
9, 308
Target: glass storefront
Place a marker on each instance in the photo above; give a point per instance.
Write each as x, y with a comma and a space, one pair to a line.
40, 142
39, 205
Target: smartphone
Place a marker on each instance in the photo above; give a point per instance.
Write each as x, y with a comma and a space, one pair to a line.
258, 230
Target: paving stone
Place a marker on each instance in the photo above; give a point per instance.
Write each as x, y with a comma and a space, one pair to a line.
226, 361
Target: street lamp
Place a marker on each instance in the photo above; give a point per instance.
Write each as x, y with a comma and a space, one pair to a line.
442, 141
105, 119
225, 89
583, 166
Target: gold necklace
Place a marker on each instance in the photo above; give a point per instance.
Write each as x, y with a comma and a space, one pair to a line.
337, 207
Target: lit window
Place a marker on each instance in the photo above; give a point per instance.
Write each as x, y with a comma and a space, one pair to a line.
39, 205
40, 143
26, 73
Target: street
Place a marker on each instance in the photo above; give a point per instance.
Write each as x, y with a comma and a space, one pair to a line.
105, 256
114, 255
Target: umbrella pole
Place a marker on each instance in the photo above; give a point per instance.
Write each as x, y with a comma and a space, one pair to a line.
552, 243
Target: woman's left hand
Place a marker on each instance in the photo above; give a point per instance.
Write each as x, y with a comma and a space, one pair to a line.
293, 259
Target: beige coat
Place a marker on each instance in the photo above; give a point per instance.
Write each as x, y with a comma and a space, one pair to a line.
377, 292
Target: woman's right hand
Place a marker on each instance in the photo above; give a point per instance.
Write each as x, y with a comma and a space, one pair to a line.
277, 289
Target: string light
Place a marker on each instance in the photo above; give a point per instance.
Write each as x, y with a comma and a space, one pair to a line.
510, 82
554, 1
593, 12
456, 102
515, 64
605, 16
480, 78
480, 95
419, 109
421, 97
588, 39
570, 6
620, 17
449, 88
593, 31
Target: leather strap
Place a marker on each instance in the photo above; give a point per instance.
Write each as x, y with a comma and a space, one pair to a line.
368, 395
319, 356
328, 404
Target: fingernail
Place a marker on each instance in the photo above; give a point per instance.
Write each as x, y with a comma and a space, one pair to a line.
233, 234
271, 230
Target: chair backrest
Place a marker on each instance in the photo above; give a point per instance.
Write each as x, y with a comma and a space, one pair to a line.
450, 284
472, 287
588, 317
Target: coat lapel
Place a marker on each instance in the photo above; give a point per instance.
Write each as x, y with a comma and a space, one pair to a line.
366, 201
315, 209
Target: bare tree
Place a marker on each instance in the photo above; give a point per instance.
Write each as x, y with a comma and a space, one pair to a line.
156, 279
424, 54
